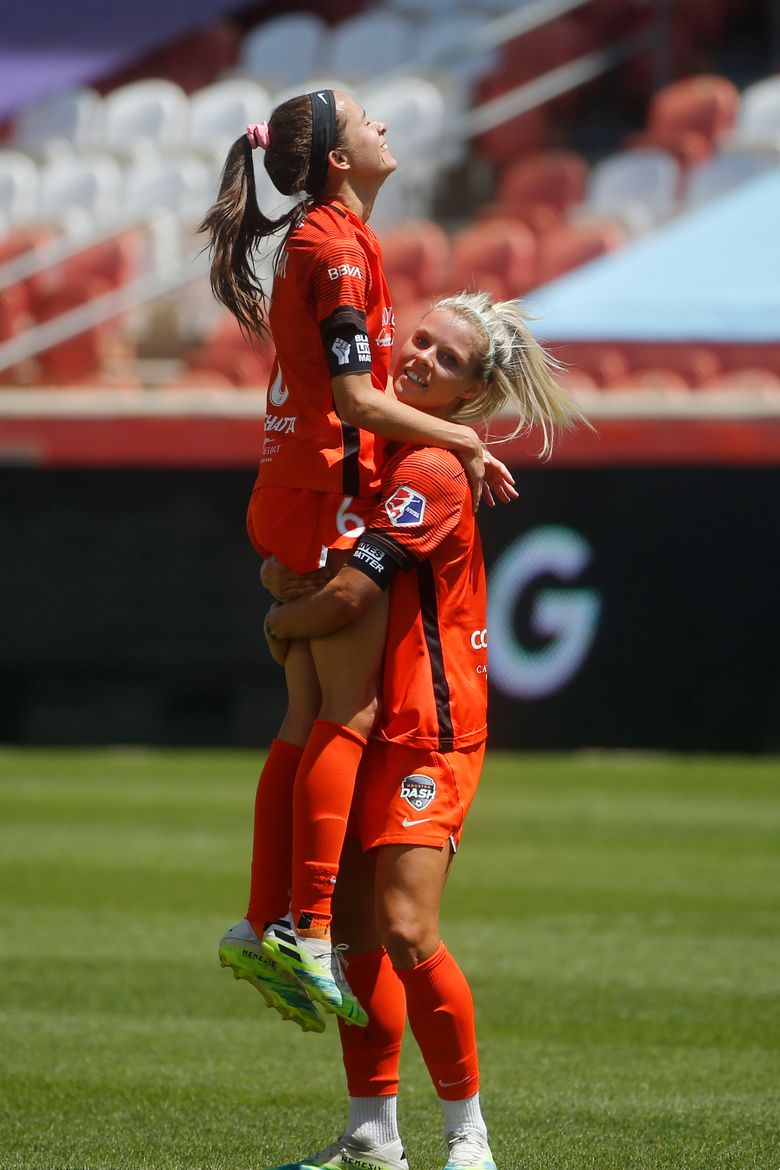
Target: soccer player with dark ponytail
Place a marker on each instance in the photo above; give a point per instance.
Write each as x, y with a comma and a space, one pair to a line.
327, 417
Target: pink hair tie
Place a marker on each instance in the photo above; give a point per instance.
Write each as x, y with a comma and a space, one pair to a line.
258, 135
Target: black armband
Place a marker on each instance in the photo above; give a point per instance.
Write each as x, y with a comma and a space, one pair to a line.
379, 557
347, 347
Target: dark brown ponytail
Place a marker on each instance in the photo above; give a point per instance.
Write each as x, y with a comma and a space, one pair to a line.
235, 224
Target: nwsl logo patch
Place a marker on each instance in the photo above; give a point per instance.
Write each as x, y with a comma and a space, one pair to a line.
418, 791
406, 507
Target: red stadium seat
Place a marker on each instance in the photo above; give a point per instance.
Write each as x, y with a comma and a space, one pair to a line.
689, 117
552, 177
756, 355
516, 136
539, 217
419, 253
190, 378
570, 245
605, 365
751, 378
228, 353
80, 359
499, 257
696, 364
655, 379
575, 380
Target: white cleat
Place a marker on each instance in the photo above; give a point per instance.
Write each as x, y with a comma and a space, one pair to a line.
348, 1153
318, 967
469, 1150
242, 951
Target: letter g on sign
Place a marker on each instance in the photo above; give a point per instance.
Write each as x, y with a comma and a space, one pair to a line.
566, 618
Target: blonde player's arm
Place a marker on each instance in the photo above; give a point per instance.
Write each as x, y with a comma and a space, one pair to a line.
339, 603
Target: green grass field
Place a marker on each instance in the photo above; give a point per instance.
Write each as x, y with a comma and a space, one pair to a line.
618, 918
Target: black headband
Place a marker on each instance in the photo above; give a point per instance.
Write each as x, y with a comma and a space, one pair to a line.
323, 137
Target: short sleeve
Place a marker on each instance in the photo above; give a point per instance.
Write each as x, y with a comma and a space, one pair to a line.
423, 497
337, 284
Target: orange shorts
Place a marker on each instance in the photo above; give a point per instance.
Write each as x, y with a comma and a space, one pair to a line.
299, 526
413, 796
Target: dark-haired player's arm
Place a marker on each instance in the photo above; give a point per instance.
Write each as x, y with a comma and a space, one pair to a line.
360, 404
346, 597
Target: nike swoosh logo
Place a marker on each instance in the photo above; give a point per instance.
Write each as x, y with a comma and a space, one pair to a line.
406, 822
451, 1084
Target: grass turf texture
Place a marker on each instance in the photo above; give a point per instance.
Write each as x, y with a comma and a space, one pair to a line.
617, 917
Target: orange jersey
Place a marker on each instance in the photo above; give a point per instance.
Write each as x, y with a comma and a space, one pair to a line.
434, 689
329, 273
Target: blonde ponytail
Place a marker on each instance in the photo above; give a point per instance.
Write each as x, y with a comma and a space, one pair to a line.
517, 371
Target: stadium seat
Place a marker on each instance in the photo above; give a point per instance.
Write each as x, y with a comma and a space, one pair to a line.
516, 136
499, 257
656, 378
750, 378
758, 121
689, 118
414, 111
696, 364
606, 365
445, 36
368, 45
227, 352
556, 178
80, 357
80, 192
723, 172
178, 183
69, 120
284, 51
145, 116
418, 252
639, 186
576, 381
220, 113
568, 246
191, 378
19, 181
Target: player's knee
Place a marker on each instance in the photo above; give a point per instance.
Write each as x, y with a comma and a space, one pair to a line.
409, 938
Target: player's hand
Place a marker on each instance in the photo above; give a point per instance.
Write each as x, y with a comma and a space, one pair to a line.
285, 585
473, 461
499, 482
277, 646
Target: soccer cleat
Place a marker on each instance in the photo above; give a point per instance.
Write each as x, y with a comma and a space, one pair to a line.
468, 1150
317, 966
348, 1153
242, 951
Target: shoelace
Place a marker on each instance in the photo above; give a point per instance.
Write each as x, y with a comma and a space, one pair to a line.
469, 1147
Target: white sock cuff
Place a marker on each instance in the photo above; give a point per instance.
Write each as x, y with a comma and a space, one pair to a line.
464, 1114
373, 1119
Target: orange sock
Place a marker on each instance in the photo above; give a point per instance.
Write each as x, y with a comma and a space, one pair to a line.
324, 785
441, 1015
371, 1054
269, 890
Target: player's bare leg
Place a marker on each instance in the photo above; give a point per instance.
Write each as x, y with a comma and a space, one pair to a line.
409, 880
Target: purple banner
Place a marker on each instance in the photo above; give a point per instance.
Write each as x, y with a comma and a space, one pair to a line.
49, 46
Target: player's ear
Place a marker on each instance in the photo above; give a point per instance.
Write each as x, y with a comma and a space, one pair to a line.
473, 390
339, 160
